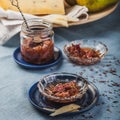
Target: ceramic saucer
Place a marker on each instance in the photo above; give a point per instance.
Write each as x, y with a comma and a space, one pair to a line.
86, 103
19, 60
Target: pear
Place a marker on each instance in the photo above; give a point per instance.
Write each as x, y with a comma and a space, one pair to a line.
96, 5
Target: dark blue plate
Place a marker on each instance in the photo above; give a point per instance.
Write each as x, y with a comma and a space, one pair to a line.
18, 59
86, 103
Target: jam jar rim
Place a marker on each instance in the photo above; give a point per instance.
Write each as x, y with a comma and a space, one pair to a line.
48, 25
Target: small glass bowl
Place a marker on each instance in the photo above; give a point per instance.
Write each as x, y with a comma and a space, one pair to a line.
62, 78
96, 45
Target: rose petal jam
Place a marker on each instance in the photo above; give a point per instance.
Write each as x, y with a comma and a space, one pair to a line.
37, 44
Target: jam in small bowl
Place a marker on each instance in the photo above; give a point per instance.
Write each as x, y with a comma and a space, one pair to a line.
85, 52
63, 87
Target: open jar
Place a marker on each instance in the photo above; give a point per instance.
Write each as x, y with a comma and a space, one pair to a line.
37, 42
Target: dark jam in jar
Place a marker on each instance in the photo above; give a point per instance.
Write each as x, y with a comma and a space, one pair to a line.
37, 44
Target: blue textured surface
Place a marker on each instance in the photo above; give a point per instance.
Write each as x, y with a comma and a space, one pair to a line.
16, 81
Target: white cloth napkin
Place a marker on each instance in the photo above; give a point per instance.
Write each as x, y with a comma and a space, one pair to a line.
6, 32
10, 21
76, 12
10, 24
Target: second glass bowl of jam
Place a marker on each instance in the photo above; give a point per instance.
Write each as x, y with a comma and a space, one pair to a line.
63, 87
85, 52
37, 42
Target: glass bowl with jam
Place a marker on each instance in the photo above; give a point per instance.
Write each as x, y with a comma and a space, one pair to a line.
63, 87
85, 52
37, 42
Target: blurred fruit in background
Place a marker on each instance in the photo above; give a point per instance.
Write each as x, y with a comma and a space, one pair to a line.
93, 5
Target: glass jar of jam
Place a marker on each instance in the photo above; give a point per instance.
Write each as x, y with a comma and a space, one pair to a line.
37, 42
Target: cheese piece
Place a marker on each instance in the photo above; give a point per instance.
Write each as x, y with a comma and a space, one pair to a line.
36, 7
65, 109
56, 19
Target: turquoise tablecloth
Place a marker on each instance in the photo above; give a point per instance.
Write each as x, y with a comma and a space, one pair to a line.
16, 81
